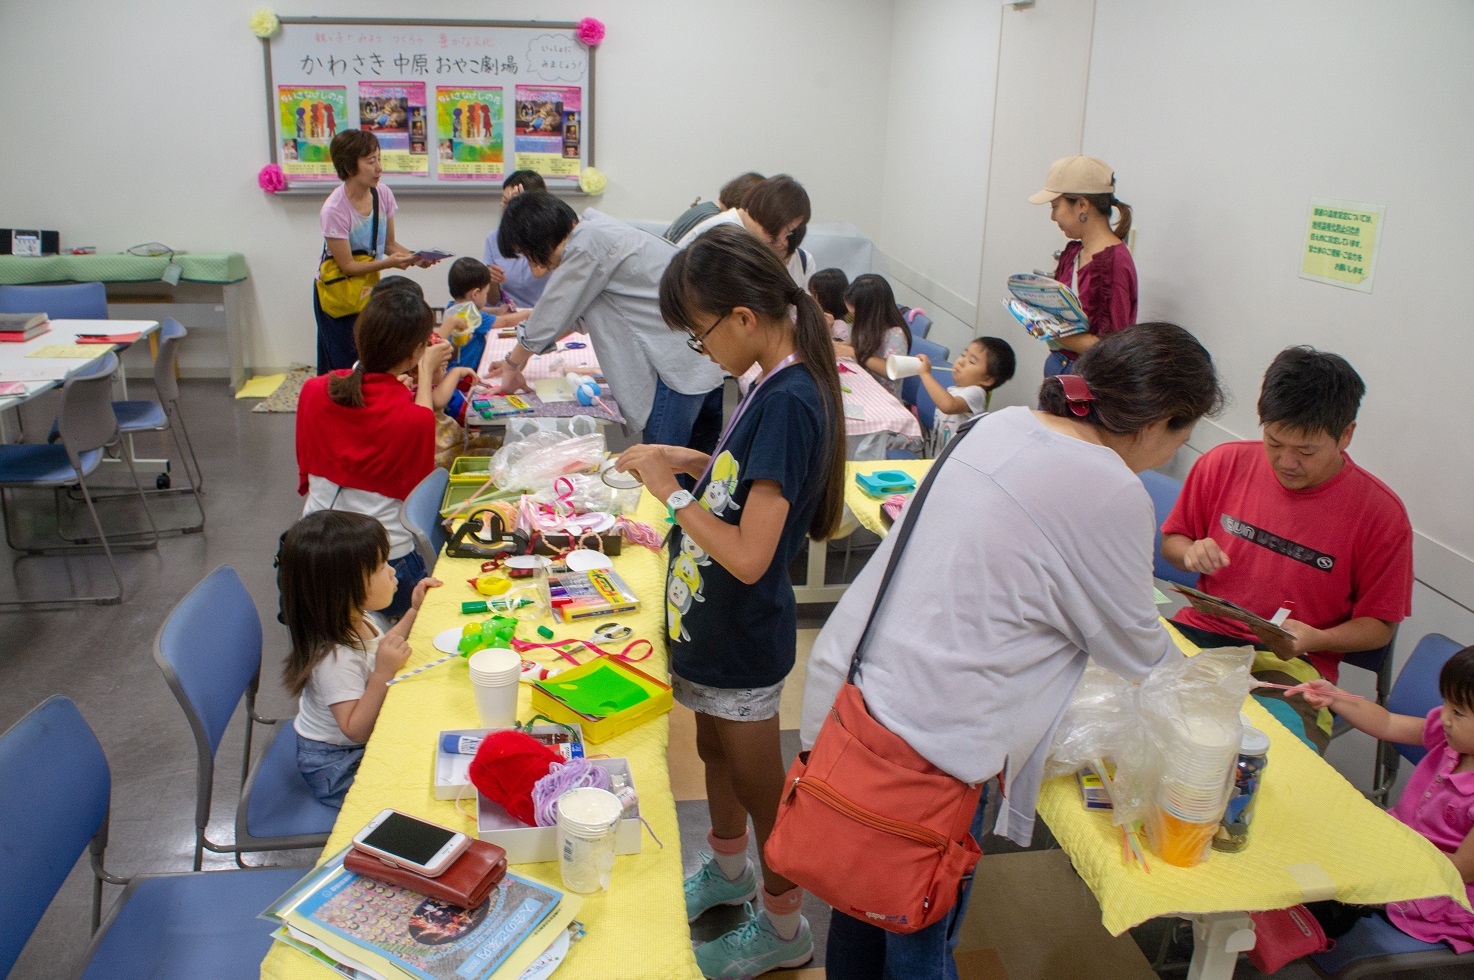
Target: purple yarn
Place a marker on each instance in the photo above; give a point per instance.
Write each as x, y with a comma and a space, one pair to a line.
576, 773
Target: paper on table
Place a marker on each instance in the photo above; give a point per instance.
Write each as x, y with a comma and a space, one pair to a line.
261, 386
854, 410
65, 350
107, 338
29, 372
553, 389
12, 388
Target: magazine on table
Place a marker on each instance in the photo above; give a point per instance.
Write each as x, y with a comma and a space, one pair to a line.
390, 932
1045, 307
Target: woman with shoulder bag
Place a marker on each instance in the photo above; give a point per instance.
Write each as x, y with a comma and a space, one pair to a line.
1048, 535
357, 228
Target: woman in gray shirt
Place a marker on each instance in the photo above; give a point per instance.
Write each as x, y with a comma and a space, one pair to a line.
1031, 554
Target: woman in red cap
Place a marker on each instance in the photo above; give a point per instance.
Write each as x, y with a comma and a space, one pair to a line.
1096, 264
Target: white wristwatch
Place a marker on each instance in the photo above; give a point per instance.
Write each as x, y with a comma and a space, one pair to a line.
679, 499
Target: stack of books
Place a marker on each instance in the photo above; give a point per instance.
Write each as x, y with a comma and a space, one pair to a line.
1045, 307
18, 327
378, 931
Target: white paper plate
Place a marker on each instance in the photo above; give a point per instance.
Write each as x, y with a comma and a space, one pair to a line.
543, 967
528, 561
448, 641
586, 560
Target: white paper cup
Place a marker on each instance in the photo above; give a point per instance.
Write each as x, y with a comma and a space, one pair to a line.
495, 674
899, 366
587, 823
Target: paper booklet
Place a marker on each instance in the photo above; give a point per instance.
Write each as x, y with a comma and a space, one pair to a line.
1210, 605
1047, 308
391, 932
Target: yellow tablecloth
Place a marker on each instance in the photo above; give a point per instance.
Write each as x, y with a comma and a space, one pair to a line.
867, 508
1310, 824
636, 929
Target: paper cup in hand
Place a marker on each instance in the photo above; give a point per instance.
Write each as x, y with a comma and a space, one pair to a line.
899, 366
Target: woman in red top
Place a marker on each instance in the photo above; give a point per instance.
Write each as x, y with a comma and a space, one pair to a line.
1096, 264
364, 441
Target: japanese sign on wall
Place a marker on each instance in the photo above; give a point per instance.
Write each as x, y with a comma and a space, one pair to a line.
1341, 239
450, 103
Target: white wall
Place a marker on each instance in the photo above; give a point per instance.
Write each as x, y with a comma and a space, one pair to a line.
937, 129
148, 122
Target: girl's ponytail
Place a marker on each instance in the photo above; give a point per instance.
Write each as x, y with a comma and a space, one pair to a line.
347, 390
1123, 224
812, 338
392, 328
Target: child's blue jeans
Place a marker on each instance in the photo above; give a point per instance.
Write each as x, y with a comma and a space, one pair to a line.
860, 951
329, 769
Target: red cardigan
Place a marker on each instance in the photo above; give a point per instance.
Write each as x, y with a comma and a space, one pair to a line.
385, 447
1107, 288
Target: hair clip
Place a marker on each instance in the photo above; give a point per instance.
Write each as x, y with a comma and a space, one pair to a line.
1077, 393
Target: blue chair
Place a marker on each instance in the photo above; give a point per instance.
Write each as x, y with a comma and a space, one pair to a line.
420, 515
54, 790
917, 320
939, 355
69, 301
87, 425
1164, 490
209, 649
1379, 662
1414, 693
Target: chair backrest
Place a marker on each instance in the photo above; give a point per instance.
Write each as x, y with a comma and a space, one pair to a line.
171, 332
420, 515
1416, 690
1164, 491
54, 786
939, 355
87, 421
926, 407
917, 320
209, 649
70, 301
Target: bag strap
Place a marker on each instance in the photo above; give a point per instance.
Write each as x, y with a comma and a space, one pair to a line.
374, 230
902, 534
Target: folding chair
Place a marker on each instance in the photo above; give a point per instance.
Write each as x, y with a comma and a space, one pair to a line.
1376, 946
1164, 490
209, 649
87, 425
54, 789
68, 301
420, 515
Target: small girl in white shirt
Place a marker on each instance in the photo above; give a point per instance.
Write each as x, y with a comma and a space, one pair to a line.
985, 364
333, 566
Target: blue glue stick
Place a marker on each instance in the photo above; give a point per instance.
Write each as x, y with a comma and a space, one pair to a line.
460, 744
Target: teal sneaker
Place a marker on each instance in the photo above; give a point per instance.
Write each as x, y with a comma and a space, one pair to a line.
708, 888
754, 948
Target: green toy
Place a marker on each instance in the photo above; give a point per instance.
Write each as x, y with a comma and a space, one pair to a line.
494, 632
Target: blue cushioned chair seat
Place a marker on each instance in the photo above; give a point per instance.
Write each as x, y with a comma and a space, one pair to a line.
192, 926
37, 463
282, 804
139, 416
900, 454
1374, 936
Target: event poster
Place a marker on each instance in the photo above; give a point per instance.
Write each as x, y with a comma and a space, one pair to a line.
309, 117
395, 113
549, 129
468, 133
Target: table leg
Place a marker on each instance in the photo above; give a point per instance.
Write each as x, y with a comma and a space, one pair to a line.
813, 588
1218, 939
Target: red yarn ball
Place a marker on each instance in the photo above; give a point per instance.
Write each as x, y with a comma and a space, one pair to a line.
507, 765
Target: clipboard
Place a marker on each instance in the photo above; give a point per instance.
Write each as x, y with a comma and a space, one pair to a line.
1213, 606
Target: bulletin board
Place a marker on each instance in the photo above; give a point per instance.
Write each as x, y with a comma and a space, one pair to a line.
455, 104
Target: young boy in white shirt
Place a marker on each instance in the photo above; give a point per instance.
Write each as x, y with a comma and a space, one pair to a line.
983, 365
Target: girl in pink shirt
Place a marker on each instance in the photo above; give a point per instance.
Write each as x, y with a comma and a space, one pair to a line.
1439, 800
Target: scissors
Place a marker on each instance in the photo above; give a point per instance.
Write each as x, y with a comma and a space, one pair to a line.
603, 633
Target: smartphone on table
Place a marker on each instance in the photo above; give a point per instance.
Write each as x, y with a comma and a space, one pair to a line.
409, 842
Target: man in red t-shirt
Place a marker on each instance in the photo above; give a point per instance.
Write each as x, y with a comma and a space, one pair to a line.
1294, 519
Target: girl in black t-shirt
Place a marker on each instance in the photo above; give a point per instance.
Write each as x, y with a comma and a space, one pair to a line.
777, 476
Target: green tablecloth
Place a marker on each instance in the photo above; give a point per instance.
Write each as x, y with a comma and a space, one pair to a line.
221, 267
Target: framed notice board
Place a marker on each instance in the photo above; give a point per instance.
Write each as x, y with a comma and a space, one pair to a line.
456, 104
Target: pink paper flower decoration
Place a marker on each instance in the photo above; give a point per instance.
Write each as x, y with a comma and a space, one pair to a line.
272, 179
590, 31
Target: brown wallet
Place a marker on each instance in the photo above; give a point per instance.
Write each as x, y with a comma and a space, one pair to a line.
465, 884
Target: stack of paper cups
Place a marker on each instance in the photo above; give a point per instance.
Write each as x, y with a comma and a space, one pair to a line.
495, 674
1194, 788
587, 821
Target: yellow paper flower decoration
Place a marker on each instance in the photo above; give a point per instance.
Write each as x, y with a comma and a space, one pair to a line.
265, 23
591, 181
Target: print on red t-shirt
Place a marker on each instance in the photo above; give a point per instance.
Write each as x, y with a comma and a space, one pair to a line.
1340, 550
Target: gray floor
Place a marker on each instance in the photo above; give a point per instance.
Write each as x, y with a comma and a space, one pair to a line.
101, 657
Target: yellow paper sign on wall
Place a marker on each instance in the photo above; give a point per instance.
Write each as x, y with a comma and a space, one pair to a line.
1341, 240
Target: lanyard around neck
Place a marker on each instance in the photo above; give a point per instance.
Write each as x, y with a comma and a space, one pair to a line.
742, 408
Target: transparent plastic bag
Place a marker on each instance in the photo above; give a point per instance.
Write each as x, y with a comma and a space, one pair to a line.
533, 463
588, 494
